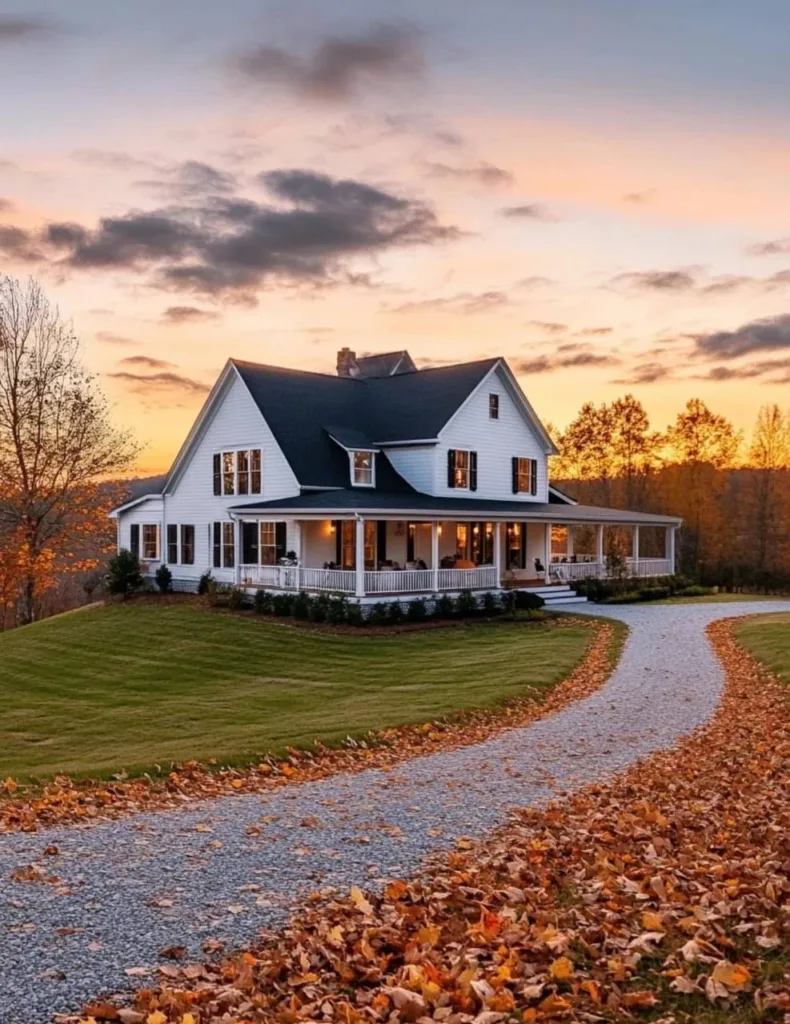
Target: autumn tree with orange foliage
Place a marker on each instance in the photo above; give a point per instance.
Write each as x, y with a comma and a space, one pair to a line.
57, 445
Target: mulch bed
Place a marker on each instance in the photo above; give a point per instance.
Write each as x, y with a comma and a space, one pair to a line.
66, 801
664, 895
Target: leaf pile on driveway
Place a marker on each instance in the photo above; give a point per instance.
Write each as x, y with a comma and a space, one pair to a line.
663, 895
65, 801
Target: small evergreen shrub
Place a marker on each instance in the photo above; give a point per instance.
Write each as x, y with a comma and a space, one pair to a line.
491, 604
466, 604
354, 615
237, 599
204, 583
508, 598
164, 579
301, 606
124, 574
378, 614
444, 607
262, 603
336, 611
394, 612
282, 604
316, 611
695, 591
416, 610
527, 602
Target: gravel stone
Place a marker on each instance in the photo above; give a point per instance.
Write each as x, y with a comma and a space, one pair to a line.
133, 887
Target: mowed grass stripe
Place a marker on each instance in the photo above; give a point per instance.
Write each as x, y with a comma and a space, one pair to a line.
768, 638
130, 687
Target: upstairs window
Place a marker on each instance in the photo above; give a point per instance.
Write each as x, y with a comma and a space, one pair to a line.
462, 469
363, 469
237, 472
493, 407
525, 475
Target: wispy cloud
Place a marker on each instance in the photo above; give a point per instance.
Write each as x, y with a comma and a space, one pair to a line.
551, 364
188, 315
768, 334
530, 211
548, 326
110, 338
462, 302
165, 383
481, 173
646, 373
146, 362
21, 29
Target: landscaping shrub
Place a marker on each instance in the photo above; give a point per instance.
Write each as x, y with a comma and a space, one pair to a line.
527, 602
354, 615
237, 599
416, 611
124, 575
283, 604
695, 591
491, 604
301, 605
467, 604
655, 593
394, 612
204, 583
263, 602
508, 599
378, 614
337, 610
316, 611
444, 607
164, 579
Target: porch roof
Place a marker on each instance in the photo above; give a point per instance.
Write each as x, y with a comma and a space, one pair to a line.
335, 503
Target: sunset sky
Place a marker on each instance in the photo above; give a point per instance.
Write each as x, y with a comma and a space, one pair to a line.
598, 190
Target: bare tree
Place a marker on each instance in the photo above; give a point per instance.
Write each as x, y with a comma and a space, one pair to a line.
56, 439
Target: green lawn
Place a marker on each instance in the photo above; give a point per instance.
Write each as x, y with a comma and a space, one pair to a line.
768, 638
139, 685
722, 598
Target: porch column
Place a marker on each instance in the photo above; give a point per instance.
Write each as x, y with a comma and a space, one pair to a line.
669, 548
635, 552
435, 557
599, 544
299, 536
359, 561
569, 542
547, 550
498, 552
238, 528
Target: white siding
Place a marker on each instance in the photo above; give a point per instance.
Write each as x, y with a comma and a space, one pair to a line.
236, 423
415, 465
495, 441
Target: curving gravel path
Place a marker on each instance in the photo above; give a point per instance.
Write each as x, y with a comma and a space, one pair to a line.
130, 888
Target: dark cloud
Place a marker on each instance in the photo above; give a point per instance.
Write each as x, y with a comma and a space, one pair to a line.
640, 198
727, 283
339, 67
110, 338
191, 179
766, 335
463, 302
646, 373
148, 362
17, 30
163, 383
749, 371
778, 247
482, 173
658, 280
18, 244
188, 315
548, 326
595, 332
530, 211
64, 235
550, 364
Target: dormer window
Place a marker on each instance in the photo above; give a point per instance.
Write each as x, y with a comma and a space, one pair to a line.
363, 468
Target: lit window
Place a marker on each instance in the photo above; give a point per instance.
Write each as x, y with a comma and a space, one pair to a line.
243, 465
150, 542
228, 473
362, 469
525, 476
228, 545
255, 471
268, 544
493, 407
461, 468
237, 472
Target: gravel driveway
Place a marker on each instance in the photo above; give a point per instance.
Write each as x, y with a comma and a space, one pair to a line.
130, 888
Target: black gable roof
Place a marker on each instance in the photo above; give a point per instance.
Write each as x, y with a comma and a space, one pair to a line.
302, 407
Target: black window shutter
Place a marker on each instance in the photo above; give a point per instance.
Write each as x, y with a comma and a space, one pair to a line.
280, 540
218, 474
472, 471
338, 524
514, 462
523, 527
249, 543
534, 477
451, 467
410, 531
217, 545
134, 539
381, 540
172, 543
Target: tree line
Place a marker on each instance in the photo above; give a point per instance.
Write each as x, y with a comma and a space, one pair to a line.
732, 491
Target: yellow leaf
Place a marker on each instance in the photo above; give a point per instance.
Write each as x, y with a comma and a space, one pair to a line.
428, 936
335, 936
237, 783
561, 969
157, 1017
188, 1018
359, 901
652, 922
732, 976
10, 785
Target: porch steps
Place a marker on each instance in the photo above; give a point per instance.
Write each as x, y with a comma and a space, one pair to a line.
556, 595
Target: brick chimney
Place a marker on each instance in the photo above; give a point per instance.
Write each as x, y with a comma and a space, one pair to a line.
346, 363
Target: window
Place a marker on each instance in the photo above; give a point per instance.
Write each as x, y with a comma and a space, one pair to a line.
462, 469
474, 542
362, 469
172, 543
187, 545
516, 545
224, 545
150, 542
493, 407
269, 544
347, 543
237, 472
525, 476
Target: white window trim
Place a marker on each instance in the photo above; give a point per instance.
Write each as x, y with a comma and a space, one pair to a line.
493, 394
180, 543
222, 452
468, 451
158, 528
362, 451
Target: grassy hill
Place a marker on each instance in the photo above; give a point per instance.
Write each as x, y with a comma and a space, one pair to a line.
143, 684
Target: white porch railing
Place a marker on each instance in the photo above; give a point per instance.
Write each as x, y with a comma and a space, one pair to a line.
468, 579
293, 577
570, 571
398, 581
649, 567
341, 581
